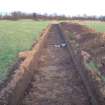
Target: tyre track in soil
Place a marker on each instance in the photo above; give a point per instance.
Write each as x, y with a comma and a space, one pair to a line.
56, 82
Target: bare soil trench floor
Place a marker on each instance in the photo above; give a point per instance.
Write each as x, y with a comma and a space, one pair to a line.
56, 82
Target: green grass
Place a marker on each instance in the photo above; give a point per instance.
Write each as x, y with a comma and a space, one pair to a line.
16, 36
98, 26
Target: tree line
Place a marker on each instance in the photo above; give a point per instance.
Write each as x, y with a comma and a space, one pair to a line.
35, 16
16, 15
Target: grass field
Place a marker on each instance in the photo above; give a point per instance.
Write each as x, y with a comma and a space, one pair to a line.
98, 26
16, 36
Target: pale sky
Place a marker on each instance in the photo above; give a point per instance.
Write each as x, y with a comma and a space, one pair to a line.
67, 7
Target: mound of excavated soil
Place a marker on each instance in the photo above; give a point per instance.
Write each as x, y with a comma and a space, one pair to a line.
93, 43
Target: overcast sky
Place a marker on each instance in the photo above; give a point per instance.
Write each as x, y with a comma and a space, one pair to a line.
67, 7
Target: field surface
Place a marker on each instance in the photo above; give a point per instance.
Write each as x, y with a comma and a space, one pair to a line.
16, 36
98, 26
61, 70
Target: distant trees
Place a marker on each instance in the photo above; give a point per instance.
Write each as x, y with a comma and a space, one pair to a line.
35, 16
16, 15
85, 17
102, 18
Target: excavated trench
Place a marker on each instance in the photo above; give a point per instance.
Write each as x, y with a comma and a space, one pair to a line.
56, 82
48, 76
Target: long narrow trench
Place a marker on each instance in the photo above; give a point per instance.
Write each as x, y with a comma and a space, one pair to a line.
56, 82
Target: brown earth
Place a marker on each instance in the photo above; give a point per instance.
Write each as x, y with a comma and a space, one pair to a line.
89, 40
93, 43
56, 82
77, 28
